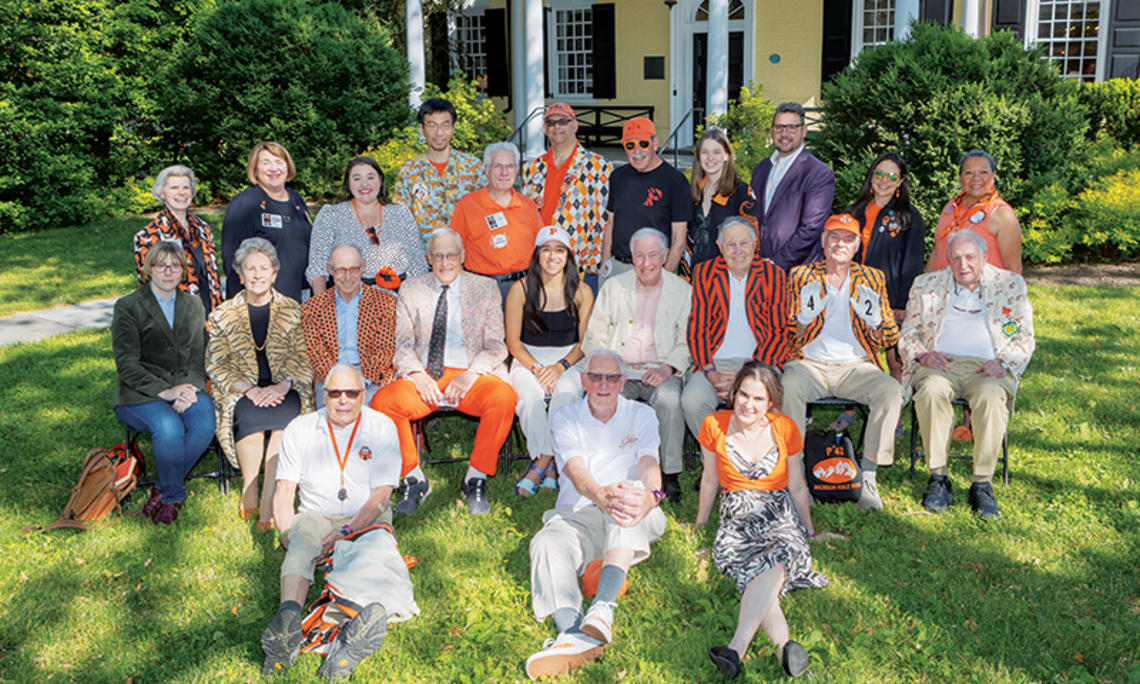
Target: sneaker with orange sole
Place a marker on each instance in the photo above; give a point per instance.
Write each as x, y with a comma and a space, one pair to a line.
563, 654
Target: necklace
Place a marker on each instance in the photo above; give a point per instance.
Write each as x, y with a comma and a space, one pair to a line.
373, 232
342, 462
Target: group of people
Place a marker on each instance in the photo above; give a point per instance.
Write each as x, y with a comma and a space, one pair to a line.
632, 304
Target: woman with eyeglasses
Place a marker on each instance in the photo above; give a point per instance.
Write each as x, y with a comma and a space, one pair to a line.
892, 234
386, 234
717, 193
270, 210
753, 458
546, 316
159, 338
260, 375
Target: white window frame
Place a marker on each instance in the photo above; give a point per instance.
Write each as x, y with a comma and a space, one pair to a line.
552, 68
858, 8
1033, 11
457, 36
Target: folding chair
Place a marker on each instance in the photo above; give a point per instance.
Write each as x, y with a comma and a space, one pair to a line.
916, 452
222, 474
423, 445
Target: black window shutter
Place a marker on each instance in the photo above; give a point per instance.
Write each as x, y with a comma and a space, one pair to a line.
1124, 41
605, 75
1010, 15
498, 52
937, 11
547, 90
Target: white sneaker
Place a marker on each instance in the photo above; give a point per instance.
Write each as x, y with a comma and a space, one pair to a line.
869, 496
561, 655
599, 620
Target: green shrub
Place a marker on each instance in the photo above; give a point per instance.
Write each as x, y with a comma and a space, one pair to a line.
1114, 109
316, 78
939, 94
1107, 216
747, 122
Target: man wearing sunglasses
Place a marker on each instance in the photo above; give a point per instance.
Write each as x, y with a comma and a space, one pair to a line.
646, 193
570, 185
607, 512
344, 460
793, 191
350, 324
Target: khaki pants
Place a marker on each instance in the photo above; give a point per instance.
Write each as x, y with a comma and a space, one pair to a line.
989, 406
699, 397
862, 382
666, 402
568, 540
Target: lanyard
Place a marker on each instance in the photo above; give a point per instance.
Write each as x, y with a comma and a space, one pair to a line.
370, 231
342, 462
961, 213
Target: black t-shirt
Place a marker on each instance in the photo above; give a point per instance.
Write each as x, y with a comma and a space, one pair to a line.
653, 199
252, 213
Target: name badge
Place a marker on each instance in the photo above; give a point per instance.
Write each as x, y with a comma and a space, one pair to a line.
499, 240
496, 221
271, 221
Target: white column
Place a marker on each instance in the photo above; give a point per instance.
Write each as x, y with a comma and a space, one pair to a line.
716, 92
518, 62
414, 16
906, 11
534, 79
971, 12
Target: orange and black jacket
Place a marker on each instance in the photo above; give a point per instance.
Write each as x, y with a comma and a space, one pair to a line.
764, 303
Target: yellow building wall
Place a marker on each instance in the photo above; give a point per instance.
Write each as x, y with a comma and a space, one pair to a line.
797, 37
641, 29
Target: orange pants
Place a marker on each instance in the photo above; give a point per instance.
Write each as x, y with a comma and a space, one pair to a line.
489, 399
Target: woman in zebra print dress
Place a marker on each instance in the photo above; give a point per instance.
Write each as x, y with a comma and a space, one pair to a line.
753, 457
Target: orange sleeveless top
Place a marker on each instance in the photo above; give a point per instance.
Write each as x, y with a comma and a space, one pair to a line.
712, 435
975, 217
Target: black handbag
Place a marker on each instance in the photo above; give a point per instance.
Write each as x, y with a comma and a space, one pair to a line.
830, 467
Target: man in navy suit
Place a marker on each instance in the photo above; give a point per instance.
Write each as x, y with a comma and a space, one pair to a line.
793, 191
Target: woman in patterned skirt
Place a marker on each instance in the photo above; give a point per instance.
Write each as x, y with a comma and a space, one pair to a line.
753, 456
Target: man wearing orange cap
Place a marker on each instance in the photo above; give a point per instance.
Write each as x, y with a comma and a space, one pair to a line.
647, 193
835, 317
570, 185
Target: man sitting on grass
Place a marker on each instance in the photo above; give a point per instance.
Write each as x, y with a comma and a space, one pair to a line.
345, 459
606, 450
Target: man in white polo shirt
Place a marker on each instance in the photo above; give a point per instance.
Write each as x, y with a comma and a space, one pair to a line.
345, 459
608, 494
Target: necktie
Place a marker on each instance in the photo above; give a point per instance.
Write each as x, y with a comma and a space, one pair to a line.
438, 337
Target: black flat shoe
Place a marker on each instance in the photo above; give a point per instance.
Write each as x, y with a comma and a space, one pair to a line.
794, 659
726, 659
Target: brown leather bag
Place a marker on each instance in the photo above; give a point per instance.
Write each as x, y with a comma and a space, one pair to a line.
107, 478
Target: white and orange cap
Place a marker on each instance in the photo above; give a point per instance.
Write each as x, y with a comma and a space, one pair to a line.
550, 233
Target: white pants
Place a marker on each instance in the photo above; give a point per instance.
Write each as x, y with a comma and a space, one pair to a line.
532, 410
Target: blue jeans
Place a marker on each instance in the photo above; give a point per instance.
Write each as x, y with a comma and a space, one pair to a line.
177, 441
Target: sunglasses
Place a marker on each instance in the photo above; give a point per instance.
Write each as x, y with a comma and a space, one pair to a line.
350, 393
884, 174
632, 144
611, 378
551, 123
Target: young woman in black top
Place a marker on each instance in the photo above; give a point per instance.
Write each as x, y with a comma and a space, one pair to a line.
717, 194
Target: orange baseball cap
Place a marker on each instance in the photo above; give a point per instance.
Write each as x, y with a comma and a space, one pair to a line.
639, 128
558, 109
842, 222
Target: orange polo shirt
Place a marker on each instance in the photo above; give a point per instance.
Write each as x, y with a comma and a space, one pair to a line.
552, 190
498, 240
870, 214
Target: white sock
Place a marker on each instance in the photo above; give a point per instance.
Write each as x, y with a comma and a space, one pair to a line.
417, 473
474, 474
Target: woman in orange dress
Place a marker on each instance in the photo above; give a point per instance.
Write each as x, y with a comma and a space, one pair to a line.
753, 456
981, 209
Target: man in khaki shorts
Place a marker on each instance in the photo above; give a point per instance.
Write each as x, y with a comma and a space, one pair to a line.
345, 460
606, 448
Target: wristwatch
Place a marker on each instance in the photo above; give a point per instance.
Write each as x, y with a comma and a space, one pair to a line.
564, 363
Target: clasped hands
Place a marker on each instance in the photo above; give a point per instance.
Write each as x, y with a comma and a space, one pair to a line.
451, 395
264, 397
181, 397
626, 502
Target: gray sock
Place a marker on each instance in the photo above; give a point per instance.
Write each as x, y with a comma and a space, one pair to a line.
609, 583
870, 469
566, 619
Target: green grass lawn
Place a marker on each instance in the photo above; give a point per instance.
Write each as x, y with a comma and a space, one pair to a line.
1049, 593
57, 267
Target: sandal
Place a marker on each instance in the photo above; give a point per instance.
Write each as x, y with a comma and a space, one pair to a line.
550, 477
527, 487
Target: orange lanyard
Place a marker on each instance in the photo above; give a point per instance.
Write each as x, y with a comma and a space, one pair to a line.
371, 231
960, 212
342, 462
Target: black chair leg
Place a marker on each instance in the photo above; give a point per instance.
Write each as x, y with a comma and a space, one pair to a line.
913, 437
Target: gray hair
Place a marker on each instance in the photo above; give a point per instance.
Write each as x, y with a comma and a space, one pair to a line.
345, 244
970, 235
165, 174
490, 150
735, 221
441, 232
255, 244
977, 153
649, 232
790, 108
348, 368
604, 353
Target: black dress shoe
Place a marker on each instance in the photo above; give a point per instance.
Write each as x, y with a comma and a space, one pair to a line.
982, 502
939, 495
475, 492
794, 659
726, 659
672, 487
412, 494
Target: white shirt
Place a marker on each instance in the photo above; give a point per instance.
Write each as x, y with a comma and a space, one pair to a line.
738, 342
780, 166
836, 342
307, 458
965, 333
454, 351
610, 450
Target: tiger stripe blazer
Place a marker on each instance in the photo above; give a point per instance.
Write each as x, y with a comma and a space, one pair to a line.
765, 304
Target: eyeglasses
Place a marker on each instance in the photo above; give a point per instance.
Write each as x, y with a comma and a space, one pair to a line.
444, 256
169, 268
551, 123
883, 174
434, 126
785, 128
611, 378
350, 393
632, 144
350, 270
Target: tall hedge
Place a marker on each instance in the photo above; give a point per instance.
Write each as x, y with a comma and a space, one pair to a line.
939, 94
317, 78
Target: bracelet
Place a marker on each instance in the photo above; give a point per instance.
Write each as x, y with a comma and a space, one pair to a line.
535, 367
920, 357
346, 531
659, 494
812, 535
283, 535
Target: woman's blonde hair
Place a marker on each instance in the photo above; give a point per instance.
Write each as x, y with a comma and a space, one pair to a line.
277, 150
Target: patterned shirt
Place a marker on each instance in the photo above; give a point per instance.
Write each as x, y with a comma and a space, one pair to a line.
581, 208
430, 196
197, 241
